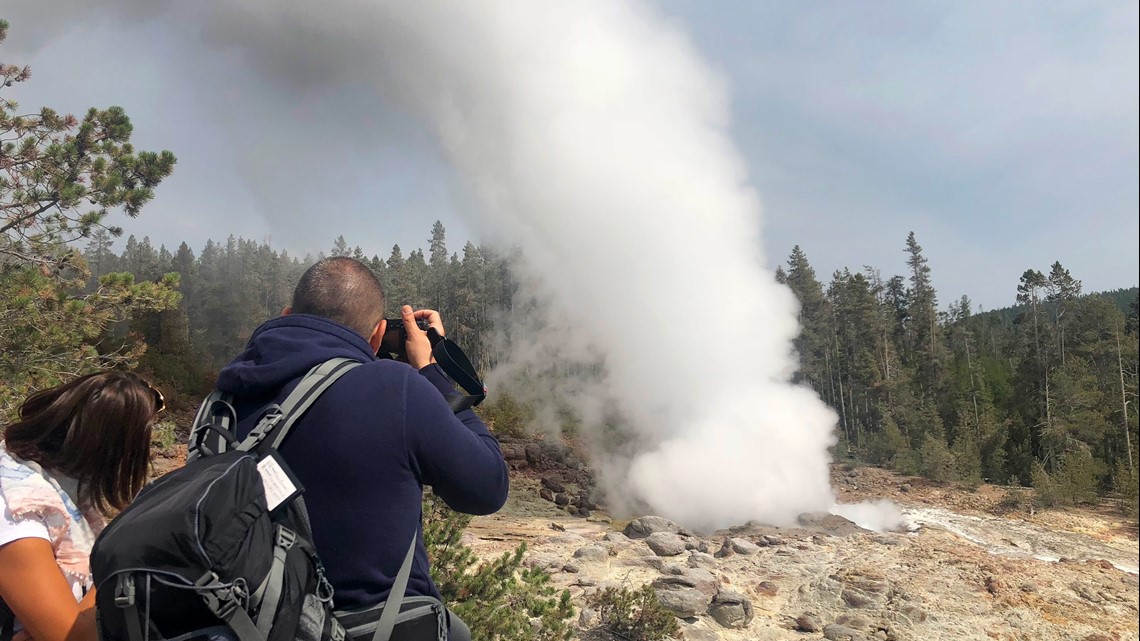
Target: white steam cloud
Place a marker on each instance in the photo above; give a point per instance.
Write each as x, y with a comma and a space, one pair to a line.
591, 135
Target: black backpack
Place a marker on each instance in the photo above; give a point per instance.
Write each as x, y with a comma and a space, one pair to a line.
222, 548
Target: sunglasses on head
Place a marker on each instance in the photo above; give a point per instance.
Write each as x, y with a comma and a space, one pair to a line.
159, 399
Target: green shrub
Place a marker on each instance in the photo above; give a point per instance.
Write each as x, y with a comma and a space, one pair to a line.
934, 459
888, 447
507, 416
967, 461
164, 435
636, 615
1045, 491
1124, 482
498, 599
1074, 481
1014, 500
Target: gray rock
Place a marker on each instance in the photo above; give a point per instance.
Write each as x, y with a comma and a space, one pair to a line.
533, 453
553, 485
808, 622
684, 602
592, 553
571, 568
744, 546
642, 527
858, 599
702, 560
731, 609
587, 618
546, 561
665, 543
698, 579
840, 632
615, 537
561, 499
830, 523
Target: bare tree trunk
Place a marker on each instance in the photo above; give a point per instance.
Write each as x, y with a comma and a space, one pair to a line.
830, 376
1123, 400
973, 388
851, 398
842, 403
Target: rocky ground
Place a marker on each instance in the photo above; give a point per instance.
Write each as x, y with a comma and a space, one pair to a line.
966, 569
973, 564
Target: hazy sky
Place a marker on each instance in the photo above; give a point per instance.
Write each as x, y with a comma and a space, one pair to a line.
1003, 134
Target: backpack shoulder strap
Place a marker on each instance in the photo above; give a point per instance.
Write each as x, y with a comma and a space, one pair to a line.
387, 622
215, 414
275, 425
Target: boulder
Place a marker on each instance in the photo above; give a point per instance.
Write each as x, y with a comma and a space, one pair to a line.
553, 485
642, 527
731, 609
665, 543
561, 499
808, 622
736, 546
684, 602
840, 632
546, 494
592, 553
767, 588
701, 580
701, 560
584, 501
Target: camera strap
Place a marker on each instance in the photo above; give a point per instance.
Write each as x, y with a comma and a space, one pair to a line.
455, 364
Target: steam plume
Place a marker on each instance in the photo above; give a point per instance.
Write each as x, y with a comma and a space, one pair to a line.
590, 134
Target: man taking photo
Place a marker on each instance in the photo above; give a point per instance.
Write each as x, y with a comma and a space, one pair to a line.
367, 447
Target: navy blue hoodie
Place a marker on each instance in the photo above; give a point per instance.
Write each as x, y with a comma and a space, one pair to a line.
365, 450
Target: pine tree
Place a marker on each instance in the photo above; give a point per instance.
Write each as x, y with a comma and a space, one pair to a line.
61, 178
813, 342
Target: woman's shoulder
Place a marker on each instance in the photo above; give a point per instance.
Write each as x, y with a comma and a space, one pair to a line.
29, 526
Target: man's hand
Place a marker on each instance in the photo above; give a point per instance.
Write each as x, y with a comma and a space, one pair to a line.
418, 346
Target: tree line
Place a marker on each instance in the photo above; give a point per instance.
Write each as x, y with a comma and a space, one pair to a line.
1042, 394
230, 287
1039, 394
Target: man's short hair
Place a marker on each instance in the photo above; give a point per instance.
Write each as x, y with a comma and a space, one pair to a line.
344, 290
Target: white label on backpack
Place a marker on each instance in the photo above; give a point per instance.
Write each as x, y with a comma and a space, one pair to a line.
278, 486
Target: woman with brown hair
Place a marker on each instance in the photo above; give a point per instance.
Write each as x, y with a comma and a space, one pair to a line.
79, 452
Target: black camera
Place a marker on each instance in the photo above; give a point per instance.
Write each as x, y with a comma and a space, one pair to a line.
395, 338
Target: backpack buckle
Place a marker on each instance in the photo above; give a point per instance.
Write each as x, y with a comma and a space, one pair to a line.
219, 597
124, 591
285, 537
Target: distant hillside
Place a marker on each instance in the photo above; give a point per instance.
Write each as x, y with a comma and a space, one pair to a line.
1122, 297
